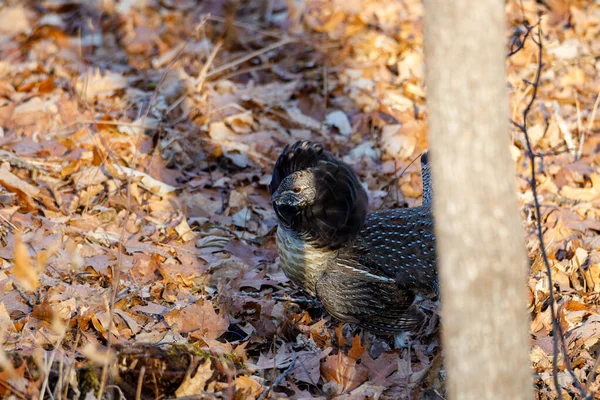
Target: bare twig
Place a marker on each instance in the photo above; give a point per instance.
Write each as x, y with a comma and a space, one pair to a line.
17, 161
223, 68
6, 385
279, 379
23, 295
295, 300
533, 184
243, 25
207, 65
590, 125
119, 123
517, 46
592, 376
396, 178
248, 70
558, 334
138, 391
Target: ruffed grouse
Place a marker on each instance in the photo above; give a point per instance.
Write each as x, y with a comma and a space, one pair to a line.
371, 270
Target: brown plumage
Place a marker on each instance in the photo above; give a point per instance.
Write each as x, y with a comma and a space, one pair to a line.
372, 270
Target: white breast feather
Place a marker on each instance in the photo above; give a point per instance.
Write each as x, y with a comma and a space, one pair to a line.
301, 262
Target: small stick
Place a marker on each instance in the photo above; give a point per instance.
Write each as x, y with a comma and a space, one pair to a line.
250, 56
265, 392
138, 391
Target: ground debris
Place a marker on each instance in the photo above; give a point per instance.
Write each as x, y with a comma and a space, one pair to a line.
137, 143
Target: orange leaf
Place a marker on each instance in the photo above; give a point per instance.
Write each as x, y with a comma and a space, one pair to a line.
340, 335
23, 271
356, 350
13, 183
344, 370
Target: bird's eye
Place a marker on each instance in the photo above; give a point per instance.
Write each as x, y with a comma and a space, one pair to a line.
296, 189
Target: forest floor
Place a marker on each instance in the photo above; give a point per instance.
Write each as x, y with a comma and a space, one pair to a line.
137, 141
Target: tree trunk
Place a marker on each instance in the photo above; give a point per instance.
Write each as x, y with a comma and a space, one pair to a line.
482, 258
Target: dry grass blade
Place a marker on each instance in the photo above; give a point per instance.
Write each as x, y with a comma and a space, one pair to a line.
116, 278
204, 71
232, 64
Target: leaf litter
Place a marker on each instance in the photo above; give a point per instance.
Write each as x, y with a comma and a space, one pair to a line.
137, 143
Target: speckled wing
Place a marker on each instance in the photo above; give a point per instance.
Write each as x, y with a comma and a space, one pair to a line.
400, 244
375, 303
378, 281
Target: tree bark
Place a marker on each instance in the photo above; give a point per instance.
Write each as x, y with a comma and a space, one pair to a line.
482, 258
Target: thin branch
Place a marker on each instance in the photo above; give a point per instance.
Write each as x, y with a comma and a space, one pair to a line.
234, 63
589, 126
12, 389
296, 300
395, 180
138, 391
515, 49
533, 184
279, 379
592, 376
558, 334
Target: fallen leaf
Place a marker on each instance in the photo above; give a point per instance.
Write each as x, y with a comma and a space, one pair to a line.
248, 387
13, 20
93, 85
23, 271
339, 120
13, 182
5, 320
343, 370
196, 384
584, 194
199, 319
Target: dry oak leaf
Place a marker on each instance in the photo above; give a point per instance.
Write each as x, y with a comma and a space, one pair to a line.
592, 277
381, 367
339, 120
194, 385
13, 182
15, 382
307, 368
281, 359
589, 332
23, 271
89, 177
585, 194
95, 85
248, 386
5, 319
344, 370
144, 180
200, 319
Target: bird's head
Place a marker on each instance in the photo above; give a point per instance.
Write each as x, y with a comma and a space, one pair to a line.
317, 195
295, 193
296, 190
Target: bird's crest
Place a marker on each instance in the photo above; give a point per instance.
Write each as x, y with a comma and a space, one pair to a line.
301, 155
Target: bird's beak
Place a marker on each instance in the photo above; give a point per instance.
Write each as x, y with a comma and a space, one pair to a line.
275, 197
